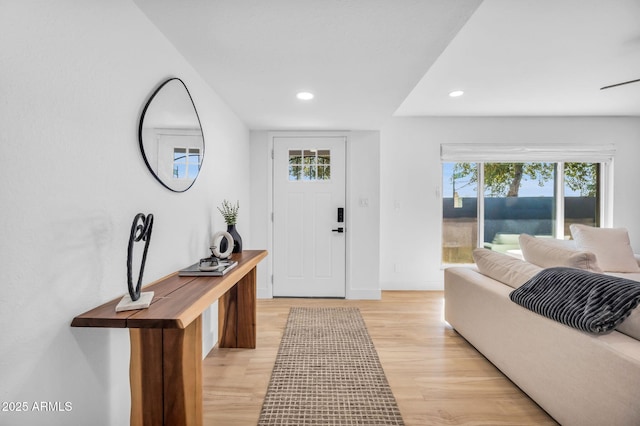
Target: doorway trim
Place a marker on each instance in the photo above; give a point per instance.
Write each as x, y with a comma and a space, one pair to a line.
270, 150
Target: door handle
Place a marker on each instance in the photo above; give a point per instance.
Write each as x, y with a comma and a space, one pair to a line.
339, 230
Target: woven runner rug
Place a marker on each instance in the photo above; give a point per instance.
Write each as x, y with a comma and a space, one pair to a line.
327, 372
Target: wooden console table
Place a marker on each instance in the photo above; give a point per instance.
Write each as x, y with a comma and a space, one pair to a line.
166, 339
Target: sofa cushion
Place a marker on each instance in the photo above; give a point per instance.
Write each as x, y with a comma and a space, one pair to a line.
504, 268
631, 325
549, 253
610, 245
628, 275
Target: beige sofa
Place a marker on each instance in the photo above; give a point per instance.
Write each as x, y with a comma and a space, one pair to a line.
578, 378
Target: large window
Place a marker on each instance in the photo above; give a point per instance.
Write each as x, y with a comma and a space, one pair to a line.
490, 203
516, 198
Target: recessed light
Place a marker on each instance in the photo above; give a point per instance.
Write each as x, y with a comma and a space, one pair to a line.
456, 93
304, 96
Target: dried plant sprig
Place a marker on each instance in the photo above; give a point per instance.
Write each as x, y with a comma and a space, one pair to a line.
229, 212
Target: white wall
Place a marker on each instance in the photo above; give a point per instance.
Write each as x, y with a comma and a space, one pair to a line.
361, 213
261, 207
410, 175
73, 81
363, 210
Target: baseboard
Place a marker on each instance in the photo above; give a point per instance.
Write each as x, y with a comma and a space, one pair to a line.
264, 293
364, 294
415, 285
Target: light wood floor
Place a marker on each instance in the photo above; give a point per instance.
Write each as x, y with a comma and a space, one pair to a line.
436, 376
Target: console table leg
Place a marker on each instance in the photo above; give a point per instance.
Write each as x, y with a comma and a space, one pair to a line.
228, 318
145, 376
246, 306
237, 314
166, 376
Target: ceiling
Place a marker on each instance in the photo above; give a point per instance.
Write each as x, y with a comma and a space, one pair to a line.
367, 60
537, 57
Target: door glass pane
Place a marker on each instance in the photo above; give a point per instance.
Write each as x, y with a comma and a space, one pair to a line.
581, 195
309, 165
324, 156
295, 157
309, 160
518, 198
309, 157
295, 164
459, 212
324, 164
309, 173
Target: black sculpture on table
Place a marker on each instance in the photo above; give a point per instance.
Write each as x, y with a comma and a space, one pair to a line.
140, 230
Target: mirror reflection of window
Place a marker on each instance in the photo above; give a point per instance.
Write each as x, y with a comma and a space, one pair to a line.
193, 163
179, 163
179, 156
186, 163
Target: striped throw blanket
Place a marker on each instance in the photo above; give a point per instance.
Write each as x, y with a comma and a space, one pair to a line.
590, 302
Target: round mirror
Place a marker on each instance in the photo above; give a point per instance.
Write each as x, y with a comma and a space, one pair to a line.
171, 138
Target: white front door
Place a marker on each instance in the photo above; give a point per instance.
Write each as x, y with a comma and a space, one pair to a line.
308, 234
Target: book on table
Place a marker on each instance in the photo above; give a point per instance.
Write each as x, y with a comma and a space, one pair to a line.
208, 268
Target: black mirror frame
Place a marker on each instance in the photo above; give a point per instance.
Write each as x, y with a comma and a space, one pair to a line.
140, 126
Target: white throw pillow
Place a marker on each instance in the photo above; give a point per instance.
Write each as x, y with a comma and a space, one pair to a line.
549, 253
504, 268
611, 246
